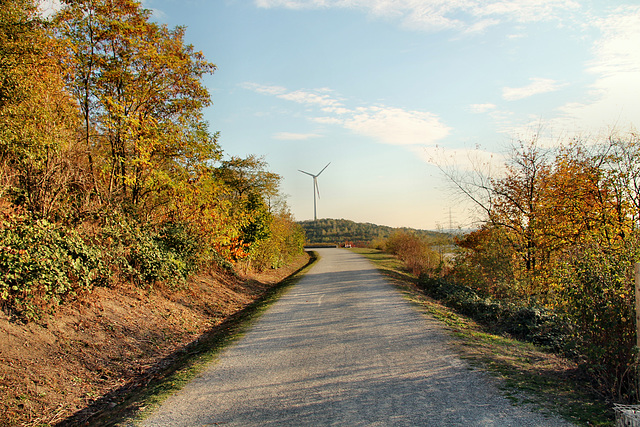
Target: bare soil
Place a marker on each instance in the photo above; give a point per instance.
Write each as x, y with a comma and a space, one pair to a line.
109, 338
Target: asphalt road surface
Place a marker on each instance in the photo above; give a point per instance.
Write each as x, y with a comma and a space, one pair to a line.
343, 347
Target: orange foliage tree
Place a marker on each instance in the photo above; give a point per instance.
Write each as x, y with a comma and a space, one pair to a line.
561, 230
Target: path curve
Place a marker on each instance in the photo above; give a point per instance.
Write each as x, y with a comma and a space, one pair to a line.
343, 347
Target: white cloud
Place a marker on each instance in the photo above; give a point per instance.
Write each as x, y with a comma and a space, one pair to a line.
436, 15
288, 136
616, 65
481, 108
264, 89
307, 97
525, 10
480, 26
388, 125
618, 51
397, 126
537, 86
337, 110
328, 120
48, 8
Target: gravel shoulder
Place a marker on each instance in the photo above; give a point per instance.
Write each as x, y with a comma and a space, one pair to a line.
343, 347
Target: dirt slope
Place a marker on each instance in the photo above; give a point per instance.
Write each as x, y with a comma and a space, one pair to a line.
109, 338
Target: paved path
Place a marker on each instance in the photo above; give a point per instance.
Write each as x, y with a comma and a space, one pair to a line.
342, 348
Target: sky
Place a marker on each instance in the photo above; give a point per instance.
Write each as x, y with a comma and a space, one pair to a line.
387, 90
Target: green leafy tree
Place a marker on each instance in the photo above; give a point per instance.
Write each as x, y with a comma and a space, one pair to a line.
283, 242
251, 189
248, 176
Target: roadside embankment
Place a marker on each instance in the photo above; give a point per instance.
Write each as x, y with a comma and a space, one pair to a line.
111, 341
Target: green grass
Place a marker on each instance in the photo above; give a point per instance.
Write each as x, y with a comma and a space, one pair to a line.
528, 374
139, 401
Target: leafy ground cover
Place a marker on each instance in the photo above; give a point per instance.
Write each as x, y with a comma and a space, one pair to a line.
527, 373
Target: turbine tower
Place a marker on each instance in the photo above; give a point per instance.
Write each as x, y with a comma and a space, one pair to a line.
315, 188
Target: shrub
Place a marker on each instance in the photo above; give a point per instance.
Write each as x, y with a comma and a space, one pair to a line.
599, 298
146, 256
483, 261
533, 324
416, 254
284, 241
42, 264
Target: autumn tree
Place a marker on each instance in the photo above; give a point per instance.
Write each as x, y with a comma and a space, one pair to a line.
588, 201
569, 218
622, 168
139, 87
37, 116
512, 205
103, 146
518, 202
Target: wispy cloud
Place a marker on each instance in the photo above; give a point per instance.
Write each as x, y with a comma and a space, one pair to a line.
480, 26
613, 97
537, 86
288, 136
617, 51
389, 125
436, 15
481, 108
328, 120
609, 102
397, 126
311, 97
264, 89
319, 97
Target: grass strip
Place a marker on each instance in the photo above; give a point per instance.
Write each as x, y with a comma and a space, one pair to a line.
527, 374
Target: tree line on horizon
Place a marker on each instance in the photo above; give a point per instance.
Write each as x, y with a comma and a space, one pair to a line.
340, 231
108, 170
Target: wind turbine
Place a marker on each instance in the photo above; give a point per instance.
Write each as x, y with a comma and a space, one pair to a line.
315, 188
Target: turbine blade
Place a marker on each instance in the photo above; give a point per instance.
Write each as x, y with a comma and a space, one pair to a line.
315, 181
323, 169
310, 174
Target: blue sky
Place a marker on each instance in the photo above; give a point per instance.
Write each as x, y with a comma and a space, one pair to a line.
382, 89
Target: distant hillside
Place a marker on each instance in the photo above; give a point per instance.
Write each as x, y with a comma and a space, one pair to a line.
339, 231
